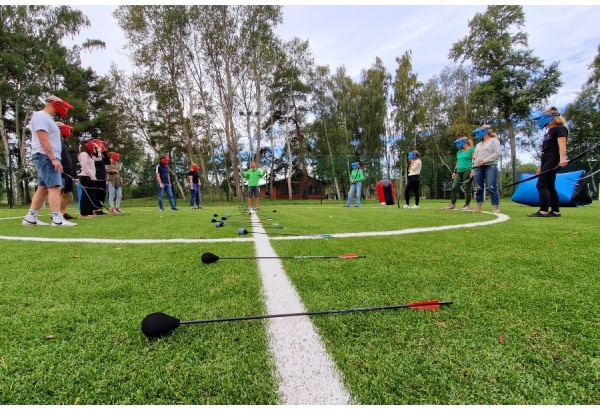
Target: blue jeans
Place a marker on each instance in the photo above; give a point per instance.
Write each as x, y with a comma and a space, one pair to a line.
166, 188
355, 187
489, 174
195, 195
47, 175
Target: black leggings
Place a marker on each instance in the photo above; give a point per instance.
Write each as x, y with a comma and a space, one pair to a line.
414, 181
546, 183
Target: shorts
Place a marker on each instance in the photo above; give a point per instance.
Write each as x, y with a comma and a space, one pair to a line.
47, 175
253, 191
67, 184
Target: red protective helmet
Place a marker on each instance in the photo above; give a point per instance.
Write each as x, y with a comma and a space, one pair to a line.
115, 156
89, 146
164, 160
195, 167
65, 130
60, 107
101, 144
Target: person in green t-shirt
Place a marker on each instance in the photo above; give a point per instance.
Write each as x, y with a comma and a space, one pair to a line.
253, 175
462, 173
356, 178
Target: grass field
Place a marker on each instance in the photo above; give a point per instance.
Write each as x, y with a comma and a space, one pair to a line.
523, 327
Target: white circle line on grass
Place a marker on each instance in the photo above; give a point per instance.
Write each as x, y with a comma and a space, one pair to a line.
499, 218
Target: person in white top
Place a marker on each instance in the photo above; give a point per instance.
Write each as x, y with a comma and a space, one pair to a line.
485, 166
46, 150
413, 180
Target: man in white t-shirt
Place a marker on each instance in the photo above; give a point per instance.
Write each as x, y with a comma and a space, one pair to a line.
46, 154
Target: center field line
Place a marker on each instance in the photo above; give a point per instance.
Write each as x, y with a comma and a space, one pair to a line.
306, 373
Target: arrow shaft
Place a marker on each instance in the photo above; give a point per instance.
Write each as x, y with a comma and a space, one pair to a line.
418, 305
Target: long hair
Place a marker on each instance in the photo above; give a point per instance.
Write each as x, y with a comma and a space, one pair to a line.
491, 133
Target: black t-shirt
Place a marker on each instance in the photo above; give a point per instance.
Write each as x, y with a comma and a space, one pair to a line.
195, 176
550, 144
65, 158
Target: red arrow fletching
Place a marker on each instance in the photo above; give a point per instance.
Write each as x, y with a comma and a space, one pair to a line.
428, 304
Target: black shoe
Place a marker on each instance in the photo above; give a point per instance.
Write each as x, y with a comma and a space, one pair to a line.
174, 208
538, 214
99, 213
67, 216
555, 214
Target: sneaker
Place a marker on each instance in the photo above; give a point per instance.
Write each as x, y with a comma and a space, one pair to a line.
36, 222
346, 206
99, 212
405, 207
118, 210
449, 207
193, 208
478, 208
113, 210
67, 216
174, 208
199, 207
161, 209
415, 207
465, 208
496, 210
63, 222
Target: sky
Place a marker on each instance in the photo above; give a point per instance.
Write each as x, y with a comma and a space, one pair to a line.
355, 35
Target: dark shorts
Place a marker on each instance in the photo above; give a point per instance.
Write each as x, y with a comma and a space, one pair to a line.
253, 191
67, 184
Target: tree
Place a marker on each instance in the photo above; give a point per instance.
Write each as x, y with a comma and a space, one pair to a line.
513, 79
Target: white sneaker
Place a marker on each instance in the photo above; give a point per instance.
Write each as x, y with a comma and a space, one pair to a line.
63, 222
405, 207
36, 222
414, 207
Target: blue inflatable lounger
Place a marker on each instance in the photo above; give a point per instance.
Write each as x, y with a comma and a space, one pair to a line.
572, 190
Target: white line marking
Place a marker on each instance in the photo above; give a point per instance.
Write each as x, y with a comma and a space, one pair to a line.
499, 218
306, 373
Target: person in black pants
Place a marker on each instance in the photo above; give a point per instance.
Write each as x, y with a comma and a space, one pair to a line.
554, 154
413, 179
67, 174
101, 160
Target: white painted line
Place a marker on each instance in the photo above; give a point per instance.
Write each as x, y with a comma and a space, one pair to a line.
306, 373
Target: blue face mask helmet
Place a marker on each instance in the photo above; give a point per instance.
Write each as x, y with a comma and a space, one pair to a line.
543, 119
355, 165
460, 143
480, 133
411, 155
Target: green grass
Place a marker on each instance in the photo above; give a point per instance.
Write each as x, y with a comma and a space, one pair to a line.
523, 327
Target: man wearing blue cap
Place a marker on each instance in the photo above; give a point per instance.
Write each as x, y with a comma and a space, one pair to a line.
356, 178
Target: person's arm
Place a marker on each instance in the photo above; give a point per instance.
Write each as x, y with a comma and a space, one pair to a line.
562, 150
191, 179
44, 139
160, 184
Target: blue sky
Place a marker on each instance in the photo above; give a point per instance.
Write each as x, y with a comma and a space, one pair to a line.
354, 35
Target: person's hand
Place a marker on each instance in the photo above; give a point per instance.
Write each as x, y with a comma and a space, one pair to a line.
481, 163
453, 175
94, 178
563, 163
160, 184
472, 174
57, 165
537, 171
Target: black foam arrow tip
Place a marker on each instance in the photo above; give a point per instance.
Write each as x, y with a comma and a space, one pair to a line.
208, 257
158, 324
223, 218
215, 215
213, 220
